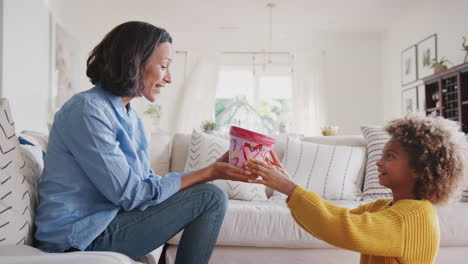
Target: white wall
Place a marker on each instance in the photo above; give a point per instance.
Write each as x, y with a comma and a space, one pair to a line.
350, 91
446, 18
25, 64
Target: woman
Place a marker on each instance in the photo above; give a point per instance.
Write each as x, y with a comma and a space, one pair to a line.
97, 191
422, 164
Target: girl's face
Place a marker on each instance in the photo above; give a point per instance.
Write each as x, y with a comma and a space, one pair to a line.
394, 169
157, 73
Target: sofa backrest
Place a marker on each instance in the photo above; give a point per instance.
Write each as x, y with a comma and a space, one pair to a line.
181, 142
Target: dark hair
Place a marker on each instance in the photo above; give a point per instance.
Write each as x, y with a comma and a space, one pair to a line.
437, 150
118, 63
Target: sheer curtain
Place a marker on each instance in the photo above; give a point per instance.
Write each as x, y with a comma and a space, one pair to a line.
196, 98
308, 102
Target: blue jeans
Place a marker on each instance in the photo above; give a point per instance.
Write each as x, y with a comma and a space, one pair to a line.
199, 210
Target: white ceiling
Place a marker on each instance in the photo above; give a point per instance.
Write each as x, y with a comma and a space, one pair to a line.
244, 15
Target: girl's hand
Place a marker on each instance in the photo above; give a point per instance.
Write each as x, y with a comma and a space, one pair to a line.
273, 175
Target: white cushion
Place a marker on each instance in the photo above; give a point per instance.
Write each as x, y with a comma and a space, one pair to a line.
265, 224
29, 255
334, 172
17, 190
270, 224
204, 149
160, 152
376, 138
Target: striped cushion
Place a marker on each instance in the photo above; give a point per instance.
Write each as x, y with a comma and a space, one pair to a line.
376, 138
331, 171
17, 192
465, 195
205, 149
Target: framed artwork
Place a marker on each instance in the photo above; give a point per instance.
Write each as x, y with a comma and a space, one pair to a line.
409, 100
421, 99
427, 52
409, 72
64, 70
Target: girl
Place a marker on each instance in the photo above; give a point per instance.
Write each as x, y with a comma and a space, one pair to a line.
422, 163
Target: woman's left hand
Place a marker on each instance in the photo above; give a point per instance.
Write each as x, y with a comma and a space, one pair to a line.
224, 157
273, 176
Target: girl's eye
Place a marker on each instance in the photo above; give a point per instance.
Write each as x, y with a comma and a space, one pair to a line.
389, 156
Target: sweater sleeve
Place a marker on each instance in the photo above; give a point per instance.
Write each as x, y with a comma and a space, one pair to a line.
379, 233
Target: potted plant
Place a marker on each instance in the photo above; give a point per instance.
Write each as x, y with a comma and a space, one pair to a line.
208, 126
154, 112
439, 65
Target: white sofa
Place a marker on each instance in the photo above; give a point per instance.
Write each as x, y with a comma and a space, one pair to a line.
265, 231
252, 231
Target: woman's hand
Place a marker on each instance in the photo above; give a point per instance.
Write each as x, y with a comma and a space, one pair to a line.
220, 169
224, 157
226, 171
273, 175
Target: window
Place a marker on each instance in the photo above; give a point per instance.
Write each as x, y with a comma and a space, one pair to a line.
260, 102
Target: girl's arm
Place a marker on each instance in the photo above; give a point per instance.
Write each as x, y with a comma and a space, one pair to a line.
379, 233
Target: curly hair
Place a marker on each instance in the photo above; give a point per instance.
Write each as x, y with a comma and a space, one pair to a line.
437, 150
119, 61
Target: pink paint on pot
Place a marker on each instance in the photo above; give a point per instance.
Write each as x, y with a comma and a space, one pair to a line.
246, 144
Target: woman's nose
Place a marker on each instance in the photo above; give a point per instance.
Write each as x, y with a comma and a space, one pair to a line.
168, 77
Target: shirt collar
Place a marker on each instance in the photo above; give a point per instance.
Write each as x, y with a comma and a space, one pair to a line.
116, 102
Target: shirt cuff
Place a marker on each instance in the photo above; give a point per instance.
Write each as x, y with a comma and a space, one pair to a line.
168, 186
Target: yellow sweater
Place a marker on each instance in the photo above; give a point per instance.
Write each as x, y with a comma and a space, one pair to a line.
406, 232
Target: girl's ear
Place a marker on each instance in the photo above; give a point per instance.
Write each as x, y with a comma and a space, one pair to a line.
415, 174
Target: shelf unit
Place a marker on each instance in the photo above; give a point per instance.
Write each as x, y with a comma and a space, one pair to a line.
447, 95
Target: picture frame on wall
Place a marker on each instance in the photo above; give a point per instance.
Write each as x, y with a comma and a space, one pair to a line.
427, 52
421, 99
409, 100
409, 71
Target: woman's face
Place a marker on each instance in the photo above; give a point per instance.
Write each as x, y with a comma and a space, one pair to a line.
157, 73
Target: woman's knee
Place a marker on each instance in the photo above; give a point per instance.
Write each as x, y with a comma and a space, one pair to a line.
218, 195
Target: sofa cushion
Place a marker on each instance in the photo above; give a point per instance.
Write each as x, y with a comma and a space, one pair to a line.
376, 138
270, 224
28, 255
332, 171
17, 190
205, 149
465, 195
264, 224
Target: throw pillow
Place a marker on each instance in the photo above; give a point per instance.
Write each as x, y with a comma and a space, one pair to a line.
376, 138
17, 192
205, 149
331, 171
465, 194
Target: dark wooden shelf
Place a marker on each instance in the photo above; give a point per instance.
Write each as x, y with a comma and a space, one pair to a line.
452, 87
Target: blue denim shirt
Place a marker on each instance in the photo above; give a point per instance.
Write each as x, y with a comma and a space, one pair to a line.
97, 164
